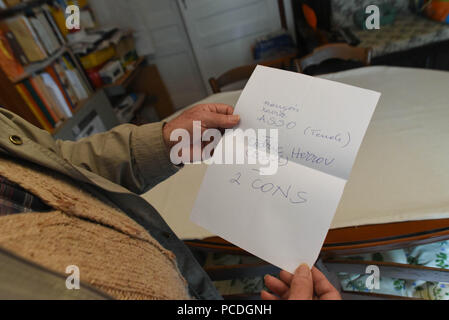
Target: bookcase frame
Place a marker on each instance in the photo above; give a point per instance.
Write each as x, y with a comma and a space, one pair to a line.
11, 99
143, 79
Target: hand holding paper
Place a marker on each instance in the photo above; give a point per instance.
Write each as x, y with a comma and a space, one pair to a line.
283, 218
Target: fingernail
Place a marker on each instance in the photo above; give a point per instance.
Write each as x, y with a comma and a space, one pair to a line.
235, 117
304, 269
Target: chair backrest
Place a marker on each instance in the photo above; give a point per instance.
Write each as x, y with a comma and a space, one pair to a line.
340, 51
231, 76
244, 72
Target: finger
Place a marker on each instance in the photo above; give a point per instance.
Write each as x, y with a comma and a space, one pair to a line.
221, 108
320, 283
323, 288
216, 120
275, 285
302, 284
268, 296
287, 277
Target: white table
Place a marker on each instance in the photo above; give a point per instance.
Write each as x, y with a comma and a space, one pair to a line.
401, 172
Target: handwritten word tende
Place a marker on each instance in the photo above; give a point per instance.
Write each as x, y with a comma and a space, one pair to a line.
342, 139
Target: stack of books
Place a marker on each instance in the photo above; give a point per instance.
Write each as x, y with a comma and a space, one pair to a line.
53, 94
34, 56
28, 39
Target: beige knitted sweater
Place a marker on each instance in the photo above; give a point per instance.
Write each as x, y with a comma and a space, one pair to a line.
113, 253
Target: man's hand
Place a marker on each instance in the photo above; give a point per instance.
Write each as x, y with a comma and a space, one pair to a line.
212, 116
305, 284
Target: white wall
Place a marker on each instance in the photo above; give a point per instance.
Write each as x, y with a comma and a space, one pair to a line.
162, 37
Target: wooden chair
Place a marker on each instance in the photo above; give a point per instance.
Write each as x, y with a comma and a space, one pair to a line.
339, 51
244, 72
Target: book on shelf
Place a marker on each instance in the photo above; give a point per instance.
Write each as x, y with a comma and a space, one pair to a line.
27, 38
45, 32
35, 109
80, 88
8, 60
19, 54
46, 10
51, 70
36, 99
41, 90
64, 80
53, 93
32, 38
59, 18
57, 95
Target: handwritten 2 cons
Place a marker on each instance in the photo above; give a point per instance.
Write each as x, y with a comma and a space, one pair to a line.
287, 192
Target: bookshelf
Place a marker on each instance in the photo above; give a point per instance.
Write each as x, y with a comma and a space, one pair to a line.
128, 76
36, 67
22, 90
30, 72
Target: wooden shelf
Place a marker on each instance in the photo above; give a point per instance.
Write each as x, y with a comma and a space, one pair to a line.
128, 77
7, 13
38, 66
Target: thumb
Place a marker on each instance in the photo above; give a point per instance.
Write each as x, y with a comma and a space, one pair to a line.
217, 120
301, 287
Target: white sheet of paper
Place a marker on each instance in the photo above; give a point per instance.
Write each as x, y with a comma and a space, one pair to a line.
284, 218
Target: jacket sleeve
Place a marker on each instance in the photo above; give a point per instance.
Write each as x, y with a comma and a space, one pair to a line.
132, 156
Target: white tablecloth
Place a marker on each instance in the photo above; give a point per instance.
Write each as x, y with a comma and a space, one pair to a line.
401, 172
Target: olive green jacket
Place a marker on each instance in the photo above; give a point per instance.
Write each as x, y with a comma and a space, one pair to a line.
116, 166
127, 158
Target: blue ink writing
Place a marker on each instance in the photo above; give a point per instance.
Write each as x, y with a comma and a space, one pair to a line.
343, 140
311, 157
283, 192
